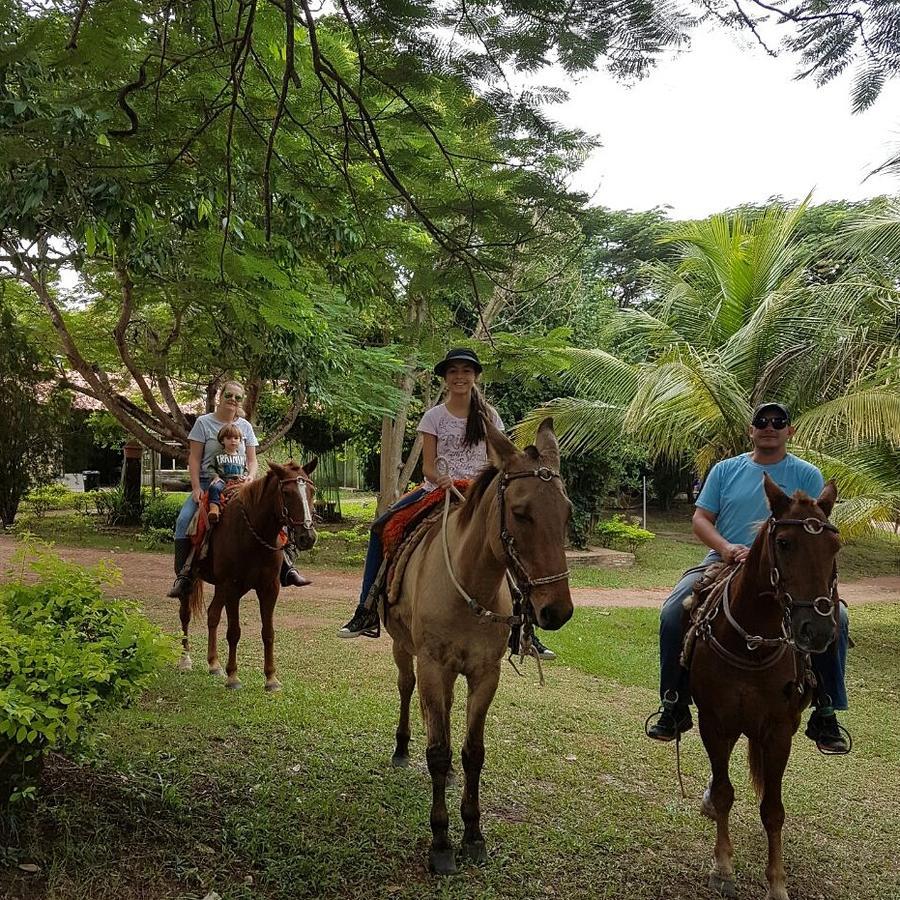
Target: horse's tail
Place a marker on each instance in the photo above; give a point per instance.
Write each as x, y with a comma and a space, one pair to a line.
755, 759
196, 598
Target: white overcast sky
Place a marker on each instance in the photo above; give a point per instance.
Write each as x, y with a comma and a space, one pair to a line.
721, 124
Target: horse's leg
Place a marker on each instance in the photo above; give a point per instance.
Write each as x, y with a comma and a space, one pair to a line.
213, 617
773, 757
717, 802
406, 684
267, 598
184, 613
481, 693
232, 610
435, 696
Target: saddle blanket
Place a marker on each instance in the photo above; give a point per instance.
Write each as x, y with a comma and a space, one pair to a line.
403, 521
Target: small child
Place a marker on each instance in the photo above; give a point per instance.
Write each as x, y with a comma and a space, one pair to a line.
226, 468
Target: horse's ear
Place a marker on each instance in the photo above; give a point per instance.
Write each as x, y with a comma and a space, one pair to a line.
532, 452
779, 502
827, 497
501, 450
547, 444
274, 467
310, 467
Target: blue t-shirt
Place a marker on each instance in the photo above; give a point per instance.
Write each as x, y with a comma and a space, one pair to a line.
734, 492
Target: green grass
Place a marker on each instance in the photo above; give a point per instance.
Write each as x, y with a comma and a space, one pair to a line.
291, 796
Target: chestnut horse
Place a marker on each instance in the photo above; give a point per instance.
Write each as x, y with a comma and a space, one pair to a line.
514, 517
748, 674
244, 554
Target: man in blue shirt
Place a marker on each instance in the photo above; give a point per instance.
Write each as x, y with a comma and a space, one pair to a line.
730, 509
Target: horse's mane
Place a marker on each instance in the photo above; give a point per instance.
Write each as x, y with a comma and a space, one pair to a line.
476, 492
252, 493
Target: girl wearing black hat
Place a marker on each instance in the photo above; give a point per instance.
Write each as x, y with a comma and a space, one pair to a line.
453, 448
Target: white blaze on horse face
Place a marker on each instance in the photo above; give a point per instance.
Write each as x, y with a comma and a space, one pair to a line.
307, 513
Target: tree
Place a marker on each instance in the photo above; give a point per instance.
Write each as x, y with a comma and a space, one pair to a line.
33, 416
738, 322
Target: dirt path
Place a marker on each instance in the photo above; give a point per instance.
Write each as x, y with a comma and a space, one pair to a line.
147, 576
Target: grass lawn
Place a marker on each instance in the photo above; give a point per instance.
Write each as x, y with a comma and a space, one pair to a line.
196, 789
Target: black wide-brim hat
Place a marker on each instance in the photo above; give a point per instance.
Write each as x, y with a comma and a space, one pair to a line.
458, 354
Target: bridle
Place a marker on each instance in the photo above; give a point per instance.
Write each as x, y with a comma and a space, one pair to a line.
286, 520
520, 580
822, 605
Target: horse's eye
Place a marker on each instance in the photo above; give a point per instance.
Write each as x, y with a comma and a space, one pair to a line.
521, 515
783, 543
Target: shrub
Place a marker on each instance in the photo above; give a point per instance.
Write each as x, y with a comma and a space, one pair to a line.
160, 512
66, 652
114, 506
618, 533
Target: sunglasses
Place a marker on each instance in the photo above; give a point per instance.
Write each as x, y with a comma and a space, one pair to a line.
229, 396
777, 422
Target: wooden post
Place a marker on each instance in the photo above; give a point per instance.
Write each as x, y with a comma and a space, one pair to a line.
131, 481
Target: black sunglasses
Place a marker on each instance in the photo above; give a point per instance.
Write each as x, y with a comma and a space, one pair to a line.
777, 422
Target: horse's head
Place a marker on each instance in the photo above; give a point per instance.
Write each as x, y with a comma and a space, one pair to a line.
297, 491
802, 546
535, 513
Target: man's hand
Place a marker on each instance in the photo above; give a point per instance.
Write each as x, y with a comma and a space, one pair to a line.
735, 553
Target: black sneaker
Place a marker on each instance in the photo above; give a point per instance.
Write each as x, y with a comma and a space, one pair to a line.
674, 720
823, 728
363, 624
542, 651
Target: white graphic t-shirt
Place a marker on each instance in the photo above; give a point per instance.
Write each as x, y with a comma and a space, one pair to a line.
464, 462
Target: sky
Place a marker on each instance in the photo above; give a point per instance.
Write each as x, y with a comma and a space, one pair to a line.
723, 124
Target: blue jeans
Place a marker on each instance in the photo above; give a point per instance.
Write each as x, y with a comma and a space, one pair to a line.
215, 491
375, 552
188, 508
829, 666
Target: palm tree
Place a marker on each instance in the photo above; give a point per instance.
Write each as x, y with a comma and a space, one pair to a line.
738, 322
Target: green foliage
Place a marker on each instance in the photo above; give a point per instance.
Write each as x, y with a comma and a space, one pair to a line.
33, 417
114, 506
160, 513
621, 534
49, 496
67, 651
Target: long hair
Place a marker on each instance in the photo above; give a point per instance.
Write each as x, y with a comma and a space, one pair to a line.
478, 406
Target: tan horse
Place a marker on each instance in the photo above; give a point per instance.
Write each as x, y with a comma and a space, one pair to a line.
515, 517
244, 555
748, 666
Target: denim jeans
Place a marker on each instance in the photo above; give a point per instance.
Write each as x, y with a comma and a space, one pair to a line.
189, 507
829, 666
375, 552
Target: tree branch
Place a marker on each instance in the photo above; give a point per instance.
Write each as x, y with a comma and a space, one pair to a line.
287, 420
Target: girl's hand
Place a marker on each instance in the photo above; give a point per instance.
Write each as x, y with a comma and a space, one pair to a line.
444, 481
196, 493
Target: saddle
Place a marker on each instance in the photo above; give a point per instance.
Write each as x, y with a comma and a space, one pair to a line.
703, 602
198, 529
400, 535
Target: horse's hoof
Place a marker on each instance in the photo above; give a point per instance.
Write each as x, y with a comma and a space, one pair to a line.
442, 862
474, 851
216, 671
185, 664
273, 686
399, 761
724, 887
233, 684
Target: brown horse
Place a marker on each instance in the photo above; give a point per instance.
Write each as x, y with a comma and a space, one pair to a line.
749, 665
244, 554
514, 517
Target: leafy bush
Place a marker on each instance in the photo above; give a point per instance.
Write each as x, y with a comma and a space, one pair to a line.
160, 512
48, 496
66, 652
113, 505
622, 535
